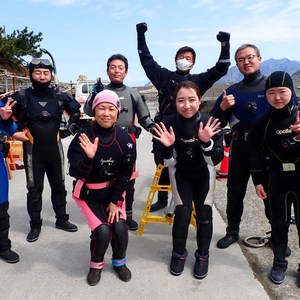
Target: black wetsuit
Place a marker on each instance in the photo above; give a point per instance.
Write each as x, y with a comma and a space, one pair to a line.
132, 105
191, 179
113, 162
275, 163
250, 104
165, 80
40, 110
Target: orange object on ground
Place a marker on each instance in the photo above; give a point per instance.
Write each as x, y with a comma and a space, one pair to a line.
223, 172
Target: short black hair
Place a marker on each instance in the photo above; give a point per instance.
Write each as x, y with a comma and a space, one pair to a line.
120, 57
186, 49
187, 84
244, 46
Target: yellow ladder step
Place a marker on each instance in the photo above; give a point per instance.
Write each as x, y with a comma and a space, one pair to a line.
146, 216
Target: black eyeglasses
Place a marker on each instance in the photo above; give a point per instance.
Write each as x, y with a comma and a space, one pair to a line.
250, 58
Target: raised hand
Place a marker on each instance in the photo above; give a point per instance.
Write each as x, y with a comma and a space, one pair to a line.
211, 128
88, 147
162, 134
227, 101
223, 36
296, 127
6, 110
141, 28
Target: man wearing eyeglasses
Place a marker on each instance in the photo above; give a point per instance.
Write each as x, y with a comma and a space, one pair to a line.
38, 111
240, 105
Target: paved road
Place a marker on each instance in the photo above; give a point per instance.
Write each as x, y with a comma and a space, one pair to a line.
55, 266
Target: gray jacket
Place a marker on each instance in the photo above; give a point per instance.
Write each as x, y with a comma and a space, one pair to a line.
132, 104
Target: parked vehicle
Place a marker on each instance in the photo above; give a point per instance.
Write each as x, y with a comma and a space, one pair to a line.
83, 89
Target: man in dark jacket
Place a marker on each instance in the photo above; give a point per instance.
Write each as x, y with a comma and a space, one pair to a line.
165, 80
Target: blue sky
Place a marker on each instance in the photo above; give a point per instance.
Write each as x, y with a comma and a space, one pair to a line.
82, 34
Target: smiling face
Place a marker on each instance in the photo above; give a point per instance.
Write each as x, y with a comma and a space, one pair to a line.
247, 61
187, 102
41, 75
106, 114
279, 97
117, 71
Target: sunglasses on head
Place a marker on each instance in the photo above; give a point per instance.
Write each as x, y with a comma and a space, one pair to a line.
41, 62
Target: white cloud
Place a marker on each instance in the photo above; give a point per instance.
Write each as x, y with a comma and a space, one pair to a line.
149, 13
260, 6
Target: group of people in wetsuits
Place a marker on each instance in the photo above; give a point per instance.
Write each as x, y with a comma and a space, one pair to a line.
264, 118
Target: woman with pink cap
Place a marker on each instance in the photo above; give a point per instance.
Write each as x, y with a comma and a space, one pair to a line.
101, 159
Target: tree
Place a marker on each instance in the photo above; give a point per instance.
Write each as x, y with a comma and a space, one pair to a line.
18, 44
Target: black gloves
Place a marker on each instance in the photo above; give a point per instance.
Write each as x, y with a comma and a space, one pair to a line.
98, 86
150, 128
72, 129
141, 28
223, 36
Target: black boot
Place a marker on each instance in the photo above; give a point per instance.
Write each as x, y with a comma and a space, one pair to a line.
162, 201
201, 265
9, 256
278, 271
93, 276
123, 272
65, 225
230, 238
132, 225
177, 263
5, 248
33, 235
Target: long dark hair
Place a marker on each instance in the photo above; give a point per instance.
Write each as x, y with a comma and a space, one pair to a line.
187, 85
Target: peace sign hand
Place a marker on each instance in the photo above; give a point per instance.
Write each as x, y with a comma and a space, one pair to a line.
88, 147
296, 127
6, 110
210, 129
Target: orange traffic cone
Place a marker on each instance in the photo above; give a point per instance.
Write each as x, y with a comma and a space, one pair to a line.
223, 172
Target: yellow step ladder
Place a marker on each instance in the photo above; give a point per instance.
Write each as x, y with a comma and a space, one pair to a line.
146, 216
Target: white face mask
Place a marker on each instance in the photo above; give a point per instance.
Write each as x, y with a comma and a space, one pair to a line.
183, 64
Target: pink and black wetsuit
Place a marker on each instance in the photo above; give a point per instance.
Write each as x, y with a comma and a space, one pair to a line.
100, 181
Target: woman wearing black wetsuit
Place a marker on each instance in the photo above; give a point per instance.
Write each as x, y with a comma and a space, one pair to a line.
101, 158
190, 141
275, 165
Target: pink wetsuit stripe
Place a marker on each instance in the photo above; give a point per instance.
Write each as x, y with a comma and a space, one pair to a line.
78, 187
97, 265
90, 217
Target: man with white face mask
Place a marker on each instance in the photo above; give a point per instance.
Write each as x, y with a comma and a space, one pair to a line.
165, 80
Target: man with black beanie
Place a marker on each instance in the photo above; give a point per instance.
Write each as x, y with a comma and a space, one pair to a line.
165, 80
